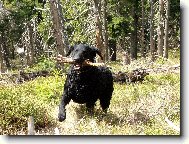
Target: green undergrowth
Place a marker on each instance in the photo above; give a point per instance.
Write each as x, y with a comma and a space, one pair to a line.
148, 104
140, 108
135, 109
35, 98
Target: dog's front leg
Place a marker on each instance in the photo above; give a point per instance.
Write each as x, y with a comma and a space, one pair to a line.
62, 110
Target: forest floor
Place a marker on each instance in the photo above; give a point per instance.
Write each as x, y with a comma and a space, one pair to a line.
150, 107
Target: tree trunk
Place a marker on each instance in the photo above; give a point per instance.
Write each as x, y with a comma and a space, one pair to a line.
99, 37
134, 40
12, 50
126, 58
57, 27
160, 28
64, 34
142, 42
2, 67
152, 48
105, 29
31, 44
166, 30
5, 50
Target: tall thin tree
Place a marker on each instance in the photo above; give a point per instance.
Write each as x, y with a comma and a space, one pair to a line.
64, 34
99, 36
57, 26
152, 47
134, 40
160, 28
142, 42
105, 29
30, 48
166, 30
1, 55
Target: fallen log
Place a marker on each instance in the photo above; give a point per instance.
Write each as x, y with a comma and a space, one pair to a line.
27, 76
139, 74
130, 77
22, 76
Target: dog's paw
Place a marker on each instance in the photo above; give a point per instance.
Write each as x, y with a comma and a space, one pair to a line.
61, 117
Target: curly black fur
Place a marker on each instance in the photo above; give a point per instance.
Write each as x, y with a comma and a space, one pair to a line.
86, 84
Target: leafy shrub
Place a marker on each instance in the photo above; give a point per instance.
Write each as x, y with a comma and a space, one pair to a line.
36, 98
44, 63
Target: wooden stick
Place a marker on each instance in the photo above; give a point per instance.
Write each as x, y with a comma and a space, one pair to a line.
171, 124
31, 127
71, 61
88, 63
56, 131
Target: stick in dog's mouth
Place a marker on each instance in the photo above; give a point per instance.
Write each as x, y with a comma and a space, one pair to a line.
77, 65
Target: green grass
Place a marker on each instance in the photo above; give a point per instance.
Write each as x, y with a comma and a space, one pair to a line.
37, 98
135, 109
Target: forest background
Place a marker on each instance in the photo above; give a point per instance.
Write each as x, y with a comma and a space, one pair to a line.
131, 35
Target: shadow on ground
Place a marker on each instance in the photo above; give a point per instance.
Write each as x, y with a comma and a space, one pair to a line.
110, 118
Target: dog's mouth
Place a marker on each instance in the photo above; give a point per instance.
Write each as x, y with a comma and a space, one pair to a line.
77, 66
77, 63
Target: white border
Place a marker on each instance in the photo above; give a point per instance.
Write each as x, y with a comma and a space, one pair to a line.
132, 140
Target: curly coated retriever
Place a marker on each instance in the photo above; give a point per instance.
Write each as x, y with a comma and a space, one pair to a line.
85, 84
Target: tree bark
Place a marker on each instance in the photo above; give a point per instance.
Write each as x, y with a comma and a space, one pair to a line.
134, 40
166, 30
2, 67
57, 27
142, 42
64, 34
126, 58
152, 47
5, 50
105, 29
31, 44
160, 28
99, 36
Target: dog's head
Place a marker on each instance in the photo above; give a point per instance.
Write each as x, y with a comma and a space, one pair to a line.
81, 52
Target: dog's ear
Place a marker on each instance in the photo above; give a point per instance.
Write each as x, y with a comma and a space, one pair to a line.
97, 52
71, 48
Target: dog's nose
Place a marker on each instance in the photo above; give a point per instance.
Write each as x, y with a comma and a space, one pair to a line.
77, 60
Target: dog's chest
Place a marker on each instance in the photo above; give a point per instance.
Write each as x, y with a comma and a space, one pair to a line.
82, 86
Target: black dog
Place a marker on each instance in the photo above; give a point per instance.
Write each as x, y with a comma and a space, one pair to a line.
85, 83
